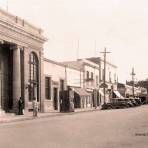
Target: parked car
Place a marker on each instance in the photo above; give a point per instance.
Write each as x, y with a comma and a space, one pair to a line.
115, 103
129, 102
138, 100
133, 102
145, 102
107, 106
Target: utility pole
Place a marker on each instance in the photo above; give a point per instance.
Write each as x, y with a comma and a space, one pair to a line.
133, 77
104, 76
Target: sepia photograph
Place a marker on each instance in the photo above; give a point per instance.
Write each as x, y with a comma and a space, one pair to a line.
73, 74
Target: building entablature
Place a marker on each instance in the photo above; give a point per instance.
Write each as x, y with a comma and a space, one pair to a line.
20, 32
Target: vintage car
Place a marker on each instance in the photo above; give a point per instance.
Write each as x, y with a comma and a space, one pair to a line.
115, 103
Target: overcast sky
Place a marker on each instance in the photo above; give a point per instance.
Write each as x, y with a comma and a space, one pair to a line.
119, 25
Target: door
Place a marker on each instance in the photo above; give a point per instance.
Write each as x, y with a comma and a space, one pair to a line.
55, 98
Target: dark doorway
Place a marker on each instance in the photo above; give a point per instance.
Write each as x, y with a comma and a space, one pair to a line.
6, 77
55, 98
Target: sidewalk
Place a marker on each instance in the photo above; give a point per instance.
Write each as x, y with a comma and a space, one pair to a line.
9, 117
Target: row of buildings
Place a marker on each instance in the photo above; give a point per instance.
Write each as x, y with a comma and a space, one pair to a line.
25, 73
83, 76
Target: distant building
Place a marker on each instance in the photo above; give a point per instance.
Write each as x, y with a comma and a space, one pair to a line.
75, 81
111, 78
89, 80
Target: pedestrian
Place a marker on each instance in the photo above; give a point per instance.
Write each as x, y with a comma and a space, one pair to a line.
20, 106
35, 107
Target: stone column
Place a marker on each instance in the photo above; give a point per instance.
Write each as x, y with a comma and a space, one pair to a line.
2, 112
41, 81
16, 78
26, 78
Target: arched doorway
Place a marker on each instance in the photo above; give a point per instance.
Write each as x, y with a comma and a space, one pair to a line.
33, 77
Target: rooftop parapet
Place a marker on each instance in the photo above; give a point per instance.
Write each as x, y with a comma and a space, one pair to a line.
20, 23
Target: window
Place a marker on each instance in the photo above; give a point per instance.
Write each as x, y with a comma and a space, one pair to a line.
97, 82
48, 88
92, 75
33, 74
87, 74
110, 77
61, 85
115, 80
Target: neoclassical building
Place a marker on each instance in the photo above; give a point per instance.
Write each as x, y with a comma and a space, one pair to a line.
21, 62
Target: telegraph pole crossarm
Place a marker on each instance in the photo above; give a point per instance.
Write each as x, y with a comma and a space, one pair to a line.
104, 76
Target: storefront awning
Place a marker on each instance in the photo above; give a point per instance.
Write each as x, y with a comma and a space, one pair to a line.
118, 94
81, 92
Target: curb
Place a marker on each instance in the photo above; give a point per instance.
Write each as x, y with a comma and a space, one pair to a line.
46, 116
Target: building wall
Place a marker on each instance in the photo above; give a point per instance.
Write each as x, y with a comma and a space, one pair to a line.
92, 83
56, 72
111, 72
74, 77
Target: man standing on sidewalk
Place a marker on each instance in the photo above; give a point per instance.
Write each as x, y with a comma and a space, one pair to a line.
20, 106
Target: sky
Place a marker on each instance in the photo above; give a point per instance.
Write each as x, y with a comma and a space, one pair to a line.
119, 25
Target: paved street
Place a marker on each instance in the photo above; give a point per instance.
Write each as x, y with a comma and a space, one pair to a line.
123, 128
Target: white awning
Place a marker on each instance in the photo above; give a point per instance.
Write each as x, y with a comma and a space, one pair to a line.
101, 92
118, 94
81, 92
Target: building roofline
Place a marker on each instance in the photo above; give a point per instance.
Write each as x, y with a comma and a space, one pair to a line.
60, 64
99, 58
94, 65
20, 23
109, 63
54, 62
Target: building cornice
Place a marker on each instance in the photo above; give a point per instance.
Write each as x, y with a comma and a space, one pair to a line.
20, 32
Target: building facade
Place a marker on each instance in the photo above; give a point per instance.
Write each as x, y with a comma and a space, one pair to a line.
74, 78
89, 81
21, 62
111, 79
55, 83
